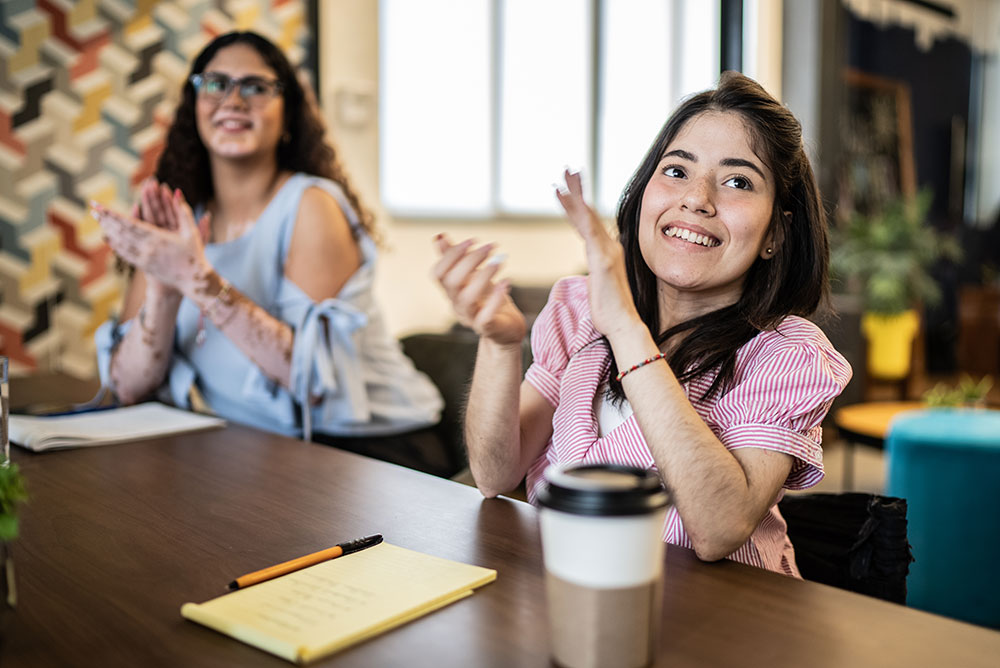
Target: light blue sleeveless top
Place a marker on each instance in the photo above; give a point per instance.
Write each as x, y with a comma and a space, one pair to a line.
359, 381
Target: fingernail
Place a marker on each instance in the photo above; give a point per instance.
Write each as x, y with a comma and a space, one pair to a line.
496, 259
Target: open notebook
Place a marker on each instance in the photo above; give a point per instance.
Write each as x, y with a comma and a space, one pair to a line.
105, 426
319, 610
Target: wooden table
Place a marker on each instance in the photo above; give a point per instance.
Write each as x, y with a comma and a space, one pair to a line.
867, 423
115, 539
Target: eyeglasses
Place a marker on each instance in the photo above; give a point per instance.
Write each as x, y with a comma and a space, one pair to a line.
216, 86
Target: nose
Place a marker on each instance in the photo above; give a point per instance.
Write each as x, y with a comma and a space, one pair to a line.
698, 197
233, 97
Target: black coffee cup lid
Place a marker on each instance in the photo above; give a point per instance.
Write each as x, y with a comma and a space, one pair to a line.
602, 489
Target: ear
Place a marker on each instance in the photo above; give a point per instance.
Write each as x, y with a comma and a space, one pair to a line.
774, 237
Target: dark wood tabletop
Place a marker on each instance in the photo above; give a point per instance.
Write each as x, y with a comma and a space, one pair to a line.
115, 539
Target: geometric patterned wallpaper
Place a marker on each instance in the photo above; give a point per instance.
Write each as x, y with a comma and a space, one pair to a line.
87, 90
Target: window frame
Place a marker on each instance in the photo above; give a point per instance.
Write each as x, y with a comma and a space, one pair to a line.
494, 211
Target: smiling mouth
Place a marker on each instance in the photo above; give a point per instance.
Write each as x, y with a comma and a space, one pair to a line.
691, 237
230, 124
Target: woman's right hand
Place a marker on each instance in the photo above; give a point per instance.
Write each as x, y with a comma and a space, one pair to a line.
482, 304
154, 207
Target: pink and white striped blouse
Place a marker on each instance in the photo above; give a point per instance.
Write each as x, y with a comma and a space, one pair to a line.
786, 380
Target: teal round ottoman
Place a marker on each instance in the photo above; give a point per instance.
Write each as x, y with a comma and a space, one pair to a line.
946, 464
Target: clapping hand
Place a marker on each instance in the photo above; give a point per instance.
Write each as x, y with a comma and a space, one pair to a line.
480, 302
168, 248
611, 304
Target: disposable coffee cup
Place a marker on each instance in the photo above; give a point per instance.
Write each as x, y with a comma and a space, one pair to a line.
602, 528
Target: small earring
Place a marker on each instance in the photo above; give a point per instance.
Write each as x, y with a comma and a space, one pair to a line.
769, 250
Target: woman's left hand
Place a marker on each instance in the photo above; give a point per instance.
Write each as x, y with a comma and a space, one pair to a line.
611, 305
174, 257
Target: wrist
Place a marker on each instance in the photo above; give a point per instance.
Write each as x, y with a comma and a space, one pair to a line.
494, 348
631, 334
215, 299
204, 287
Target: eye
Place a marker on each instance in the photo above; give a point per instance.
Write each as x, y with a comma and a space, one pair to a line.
214, 84
739, 182
255, 87
674, 172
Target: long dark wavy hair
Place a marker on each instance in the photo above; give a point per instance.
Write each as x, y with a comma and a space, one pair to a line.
793, 281
184, 162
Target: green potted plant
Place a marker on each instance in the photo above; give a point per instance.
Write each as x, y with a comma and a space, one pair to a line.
887, 257
968, 393
12, 493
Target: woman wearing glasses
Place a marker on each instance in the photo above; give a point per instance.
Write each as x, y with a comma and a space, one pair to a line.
258, 294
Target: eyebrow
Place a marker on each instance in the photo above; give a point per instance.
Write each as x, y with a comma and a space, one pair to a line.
725, 162
263, 77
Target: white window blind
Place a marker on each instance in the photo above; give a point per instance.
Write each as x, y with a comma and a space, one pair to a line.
482, 103
435, 107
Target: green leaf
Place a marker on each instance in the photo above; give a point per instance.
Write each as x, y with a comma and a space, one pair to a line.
8, 527
12, 493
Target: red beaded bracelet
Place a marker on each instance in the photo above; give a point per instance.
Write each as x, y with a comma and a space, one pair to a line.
622, 374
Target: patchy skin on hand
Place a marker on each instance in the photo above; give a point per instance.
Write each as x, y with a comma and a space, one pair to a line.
170, 258
164, 254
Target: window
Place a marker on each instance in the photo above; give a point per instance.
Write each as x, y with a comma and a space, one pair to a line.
482, 103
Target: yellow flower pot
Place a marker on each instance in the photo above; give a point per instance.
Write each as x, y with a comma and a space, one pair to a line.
890, 343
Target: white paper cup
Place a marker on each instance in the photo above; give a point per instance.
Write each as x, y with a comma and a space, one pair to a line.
602, 544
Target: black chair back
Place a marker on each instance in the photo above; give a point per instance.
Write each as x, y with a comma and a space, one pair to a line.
852, 540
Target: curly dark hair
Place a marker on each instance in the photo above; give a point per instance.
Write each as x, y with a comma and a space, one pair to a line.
793, 282
184, 162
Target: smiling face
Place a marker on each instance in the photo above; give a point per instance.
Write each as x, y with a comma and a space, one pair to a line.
234, 127
705, 216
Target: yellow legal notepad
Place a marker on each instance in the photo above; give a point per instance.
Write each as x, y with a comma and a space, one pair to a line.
324, 608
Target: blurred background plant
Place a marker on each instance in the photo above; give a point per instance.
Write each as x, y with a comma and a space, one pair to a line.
12, 494
967, 393
887, 256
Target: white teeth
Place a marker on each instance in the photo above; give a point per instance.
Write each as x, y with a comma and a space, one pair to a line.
691, 237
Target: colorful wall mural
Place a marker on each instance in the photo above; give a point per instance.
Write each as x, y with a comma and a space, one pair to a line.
87, 89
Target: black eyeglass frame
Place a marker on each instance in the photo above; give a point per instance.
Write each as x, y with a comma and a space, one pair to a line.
198, 80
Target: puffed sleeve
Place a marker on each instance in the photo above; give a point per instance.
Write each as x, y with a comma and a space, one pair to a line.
562, 328
779, 404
